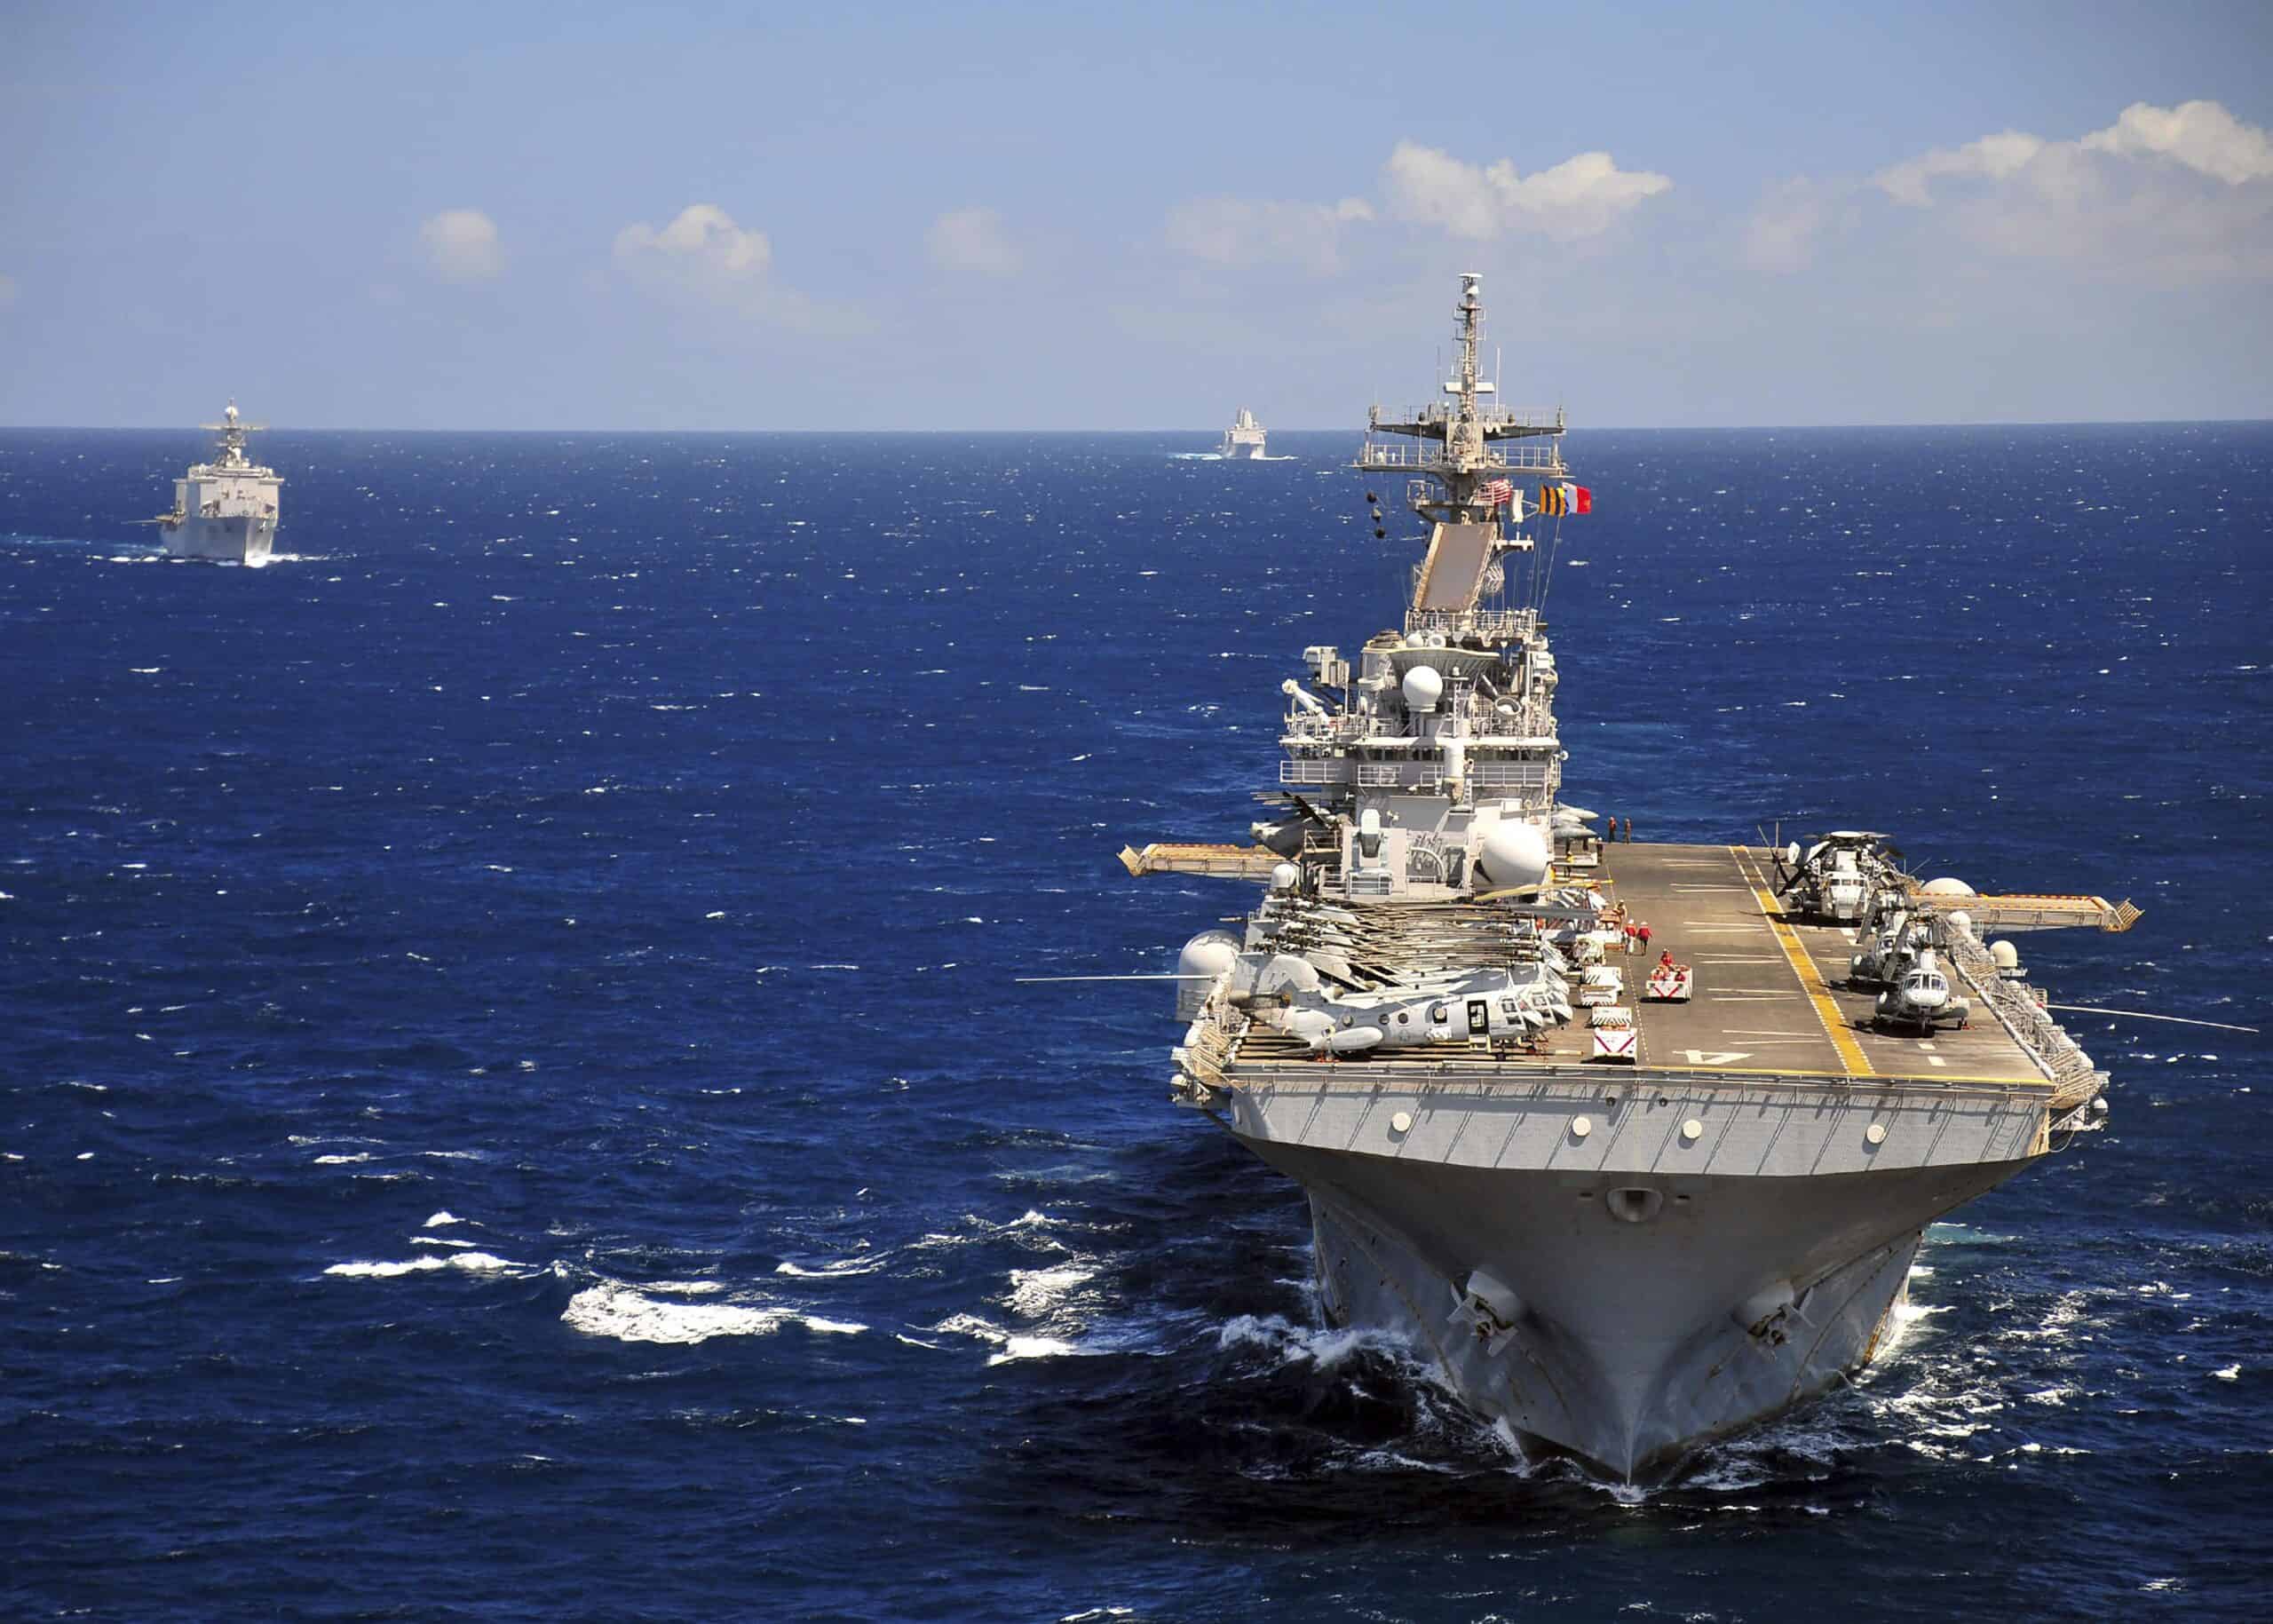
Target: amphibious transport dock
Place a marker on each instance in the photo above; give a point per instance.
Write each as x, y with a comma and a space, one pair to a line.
1625, 1203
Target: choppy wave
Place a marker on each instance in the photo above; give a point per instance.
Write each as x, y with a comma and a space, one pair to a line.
622, 1312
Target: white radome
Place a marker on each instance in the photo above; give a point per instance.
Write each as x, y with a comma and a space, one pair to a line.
1947, 887
1514, 854
1423, 687
1210, 954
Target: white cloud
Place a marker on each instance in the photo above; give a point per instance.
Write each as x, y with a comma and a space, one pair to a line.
462, 246
1579, 197
1993, 156
703, 257
2170, 197
2202, 135
701, 248
1238, 230
972, 239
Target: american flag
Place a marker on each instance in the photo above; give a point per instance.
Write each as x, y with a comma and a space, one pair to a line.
1499, 492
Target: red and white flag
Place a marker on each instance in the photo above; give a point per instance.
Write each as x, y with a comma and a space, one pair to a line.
1578, 498
1500, 493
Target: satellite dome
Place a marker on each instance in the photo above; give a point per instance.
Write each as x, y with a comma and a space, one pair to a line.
1210, 954
1514, 854
1285, 876
1961, 920
1947, 887
2004, 955
1423, 687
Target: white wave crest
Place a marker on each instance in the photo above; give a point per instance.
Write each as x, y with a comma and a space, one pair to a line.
387, 1271
835, 1270
472, 1263
1304, 1344
1037, 1292
612, 1308
1007, 1345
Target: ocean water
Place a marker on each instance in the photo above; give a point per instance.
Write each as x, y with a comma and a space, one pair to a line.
517, 1100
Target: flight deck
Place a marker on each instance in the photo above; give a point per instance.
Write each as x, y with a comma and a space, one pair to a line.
1770, 991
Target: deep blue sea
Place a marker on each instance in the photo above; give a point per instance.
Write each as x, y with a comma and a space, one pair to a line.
517, 1099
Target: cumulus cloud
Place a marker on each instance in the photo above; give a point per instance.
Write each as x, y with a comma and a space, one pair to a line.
1579, 197
2169, 195
2201, 135
974, 241
462, 246
1993, 156
700, 248
1238, 230
702, 258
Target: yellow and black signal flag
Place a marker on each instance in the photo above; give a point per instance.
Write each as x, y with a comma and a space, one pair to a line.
1554, 500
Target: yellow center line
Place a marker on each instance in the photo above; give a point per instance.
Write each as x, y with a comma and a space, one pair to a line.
1834, 1024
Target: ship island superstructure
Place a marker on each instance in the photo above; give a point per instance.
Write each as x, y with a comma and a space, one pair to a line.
225, 509
1625, 1210
1243, 441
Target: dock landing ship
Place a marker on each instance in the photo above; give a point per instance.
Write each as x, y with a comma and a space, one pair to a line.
225, 509
1625, 1211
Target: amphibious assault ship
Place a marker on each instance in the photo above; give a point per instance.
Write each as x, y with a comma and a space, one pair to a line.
225, 509
1625, 1210
1243, 441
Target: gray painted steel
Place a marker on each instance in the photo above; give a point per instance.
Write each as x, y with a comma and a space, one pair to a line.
1623, 1227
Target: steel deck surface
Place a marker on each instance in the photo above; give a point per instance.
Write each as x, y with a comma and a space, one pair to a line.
1770, 992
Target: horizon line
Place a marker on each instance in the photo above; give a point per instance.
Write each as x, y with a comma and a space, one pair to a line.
872, 429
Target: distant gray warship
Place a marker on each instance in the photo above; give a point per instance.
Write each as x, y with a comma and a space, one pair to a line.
1625, 1210
1244, 441
225, 509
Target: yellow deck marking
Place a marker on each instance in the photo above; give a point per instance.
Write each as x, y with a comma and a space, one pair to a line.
1834, 1025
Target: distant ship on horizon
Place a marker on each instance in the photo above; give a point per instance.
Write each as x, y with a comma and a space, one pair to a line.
1243, 441
224, 509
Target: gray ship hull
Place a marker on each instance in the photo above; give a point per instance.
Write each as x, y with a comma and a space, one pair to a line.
238, 539
1627, 1304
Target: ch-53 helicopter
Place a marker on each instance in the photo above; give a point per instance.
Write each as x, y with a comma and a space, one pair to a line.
1835, 877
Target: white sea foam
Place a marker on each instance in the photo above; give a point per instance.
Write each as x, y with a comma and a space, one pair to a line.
472, 1263
438, 1240
2231, 1373
1037, 1292
832, 1271
612, 1308
339, 1160
1008, 1345
440, 1219
1304, 1344
387, 1271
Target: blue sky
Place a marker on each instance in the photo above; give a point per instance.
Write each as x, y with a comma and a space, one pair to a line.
510, 216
